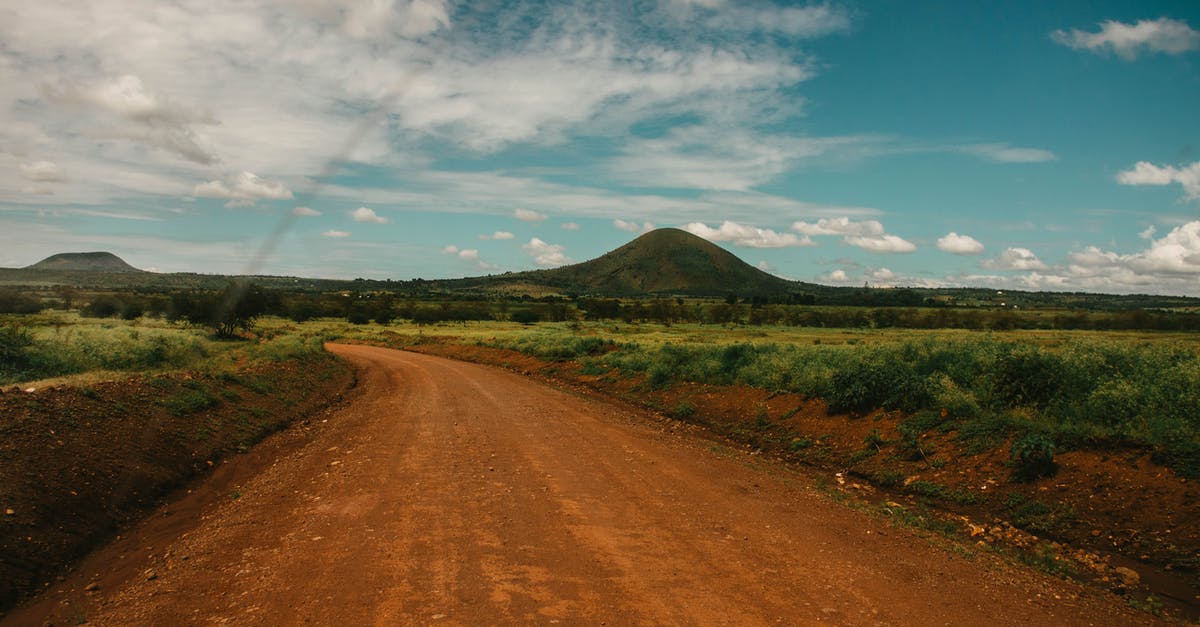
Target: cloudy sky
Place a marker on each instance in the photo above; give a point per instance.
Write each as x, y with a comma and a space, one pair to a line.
1026, 145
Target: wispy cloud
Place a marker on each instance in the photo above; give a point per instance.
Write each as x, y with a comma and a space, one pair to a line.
526, 215
1163, 35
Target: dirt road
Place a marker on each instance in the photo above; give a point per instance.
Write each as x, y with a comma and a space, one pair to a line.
452, 493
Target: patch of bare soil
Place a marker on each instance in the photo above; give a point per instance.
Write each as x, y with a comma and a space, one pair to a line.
1109, 517
79, 464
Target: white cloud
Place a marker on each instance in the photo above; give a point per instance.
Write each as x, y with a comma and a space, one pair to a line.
42, 171
739, 17
243, 190
570, 226
450, 249
836, 276
765, 267
527, 215
882, 274
469, 254
1146, 173
139, 115
727, 158
881, 243
743, 235
366, 214
333, 233
305, 211
379, 20
633, 227
1014, 259
839, 226
1003, 153
959, 244
1148, 233
547, 255
1163, 35
498, 235
865, 234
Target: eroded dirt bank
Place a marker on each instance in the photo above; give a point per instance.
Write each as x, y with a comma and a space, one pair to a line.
446, 492
79, 464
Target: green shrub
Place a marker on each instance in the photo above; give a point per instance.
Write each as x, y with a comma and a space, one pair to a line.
1026, 376
14, 346
190, 401
1032, 456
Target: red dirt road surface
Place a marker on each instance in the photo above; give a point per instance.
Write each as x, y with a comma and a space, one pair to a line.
450, 493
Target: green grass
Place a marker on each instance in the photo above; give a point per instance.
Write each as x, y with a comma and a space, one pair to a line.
1076, 388
58, 345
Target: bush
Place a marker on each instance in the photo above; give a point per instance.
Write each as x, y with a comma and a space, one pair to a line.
1032, 456
1027, 376
14, 345
861, 387
12, 301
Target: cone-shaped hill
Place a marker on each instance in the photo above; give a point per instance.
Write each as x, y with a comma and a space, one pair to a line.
662, 262
84, 262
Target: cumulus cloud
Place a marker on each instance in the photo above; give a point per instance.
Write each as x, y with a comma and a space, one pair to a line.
633, 227
743, 235
498, 235
836, 276
1146, 173
839, 226
1014, 259
547, 255
527, 215
881, 243
1164, 35
366, 214
245, 189
305, 211
1149, 232
570, 226
865, 234
765, 267
959, 244
42, 171
470, 255
336, 234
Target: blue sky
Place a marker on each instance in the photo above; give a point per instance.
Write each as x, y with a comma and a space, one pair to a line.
1019, 145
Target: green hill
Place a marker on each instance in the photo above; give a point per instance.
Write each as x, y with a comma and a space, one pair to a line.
661, 262
84, 262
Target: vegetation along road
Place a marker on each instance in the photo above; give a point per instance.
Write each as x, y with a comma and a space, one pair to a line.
445, 492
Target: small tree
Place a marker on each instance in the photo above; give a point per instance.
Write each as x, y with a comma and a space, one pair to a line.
233, 309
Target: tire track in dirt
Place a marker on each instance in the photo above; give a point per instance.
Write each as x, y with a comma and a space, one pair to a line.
446, 492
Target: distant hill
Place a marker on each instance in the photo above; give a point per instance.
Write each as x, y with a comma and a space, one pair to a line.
661, 262
84, 262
